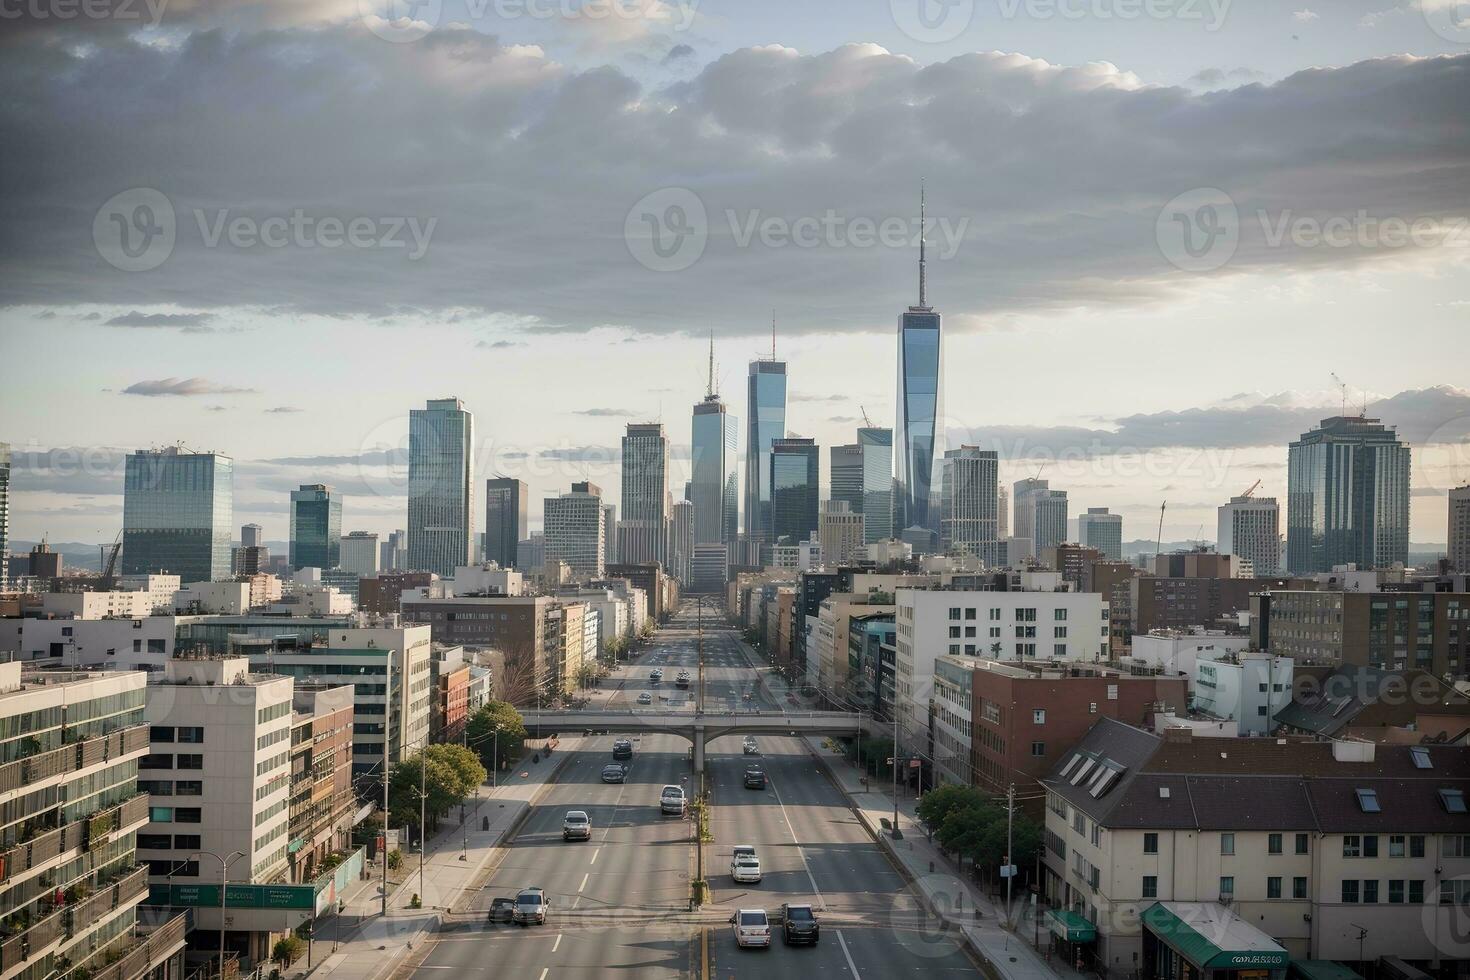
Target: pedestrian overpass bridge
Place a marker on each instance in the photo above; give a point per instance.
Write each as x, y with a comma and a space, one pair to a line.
697, 726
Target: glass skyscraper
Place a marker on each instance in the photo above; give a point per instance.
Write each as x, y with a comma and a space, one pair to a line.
178, 514
877, 507
316, 527
643, 534
920, 402
4, 515
795, 479
969, 487
1347, 497
766, 402
505, 519
715, 483
441, 440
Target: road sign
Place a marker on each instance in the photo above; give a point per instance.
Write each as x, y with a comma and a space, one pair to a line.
914, 763
1008, 871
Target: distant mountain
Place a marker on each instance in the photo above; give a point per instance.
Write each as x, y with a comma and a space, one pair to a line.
1150, 546
74, 554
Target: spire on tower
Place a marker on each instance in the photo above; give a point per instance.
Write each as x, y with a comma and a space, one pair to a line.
710, 387
773, 335
922, 284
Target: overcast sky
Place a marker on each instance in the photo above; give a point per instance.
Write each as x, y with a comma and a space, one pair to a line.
1155, 231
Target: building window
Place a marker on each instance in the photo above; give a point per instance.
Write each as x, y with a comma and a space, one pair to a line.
1416, 845
1370, 845
1416, 891
1059, 632
1227, 843
194, 735
1395, 891
189, 760
1273, 844
155, 841
1351, 846
161, 814
1301, 843
1038, 749
954, 612
160, 733
1150, 843
954, 632
1227, 886
189, 787
1150, 886
1370, 891
1092, 707
969, 614
1298, 888
1273, 887
1038, 716
1349, 891
1395, 845
156, 762
187, 814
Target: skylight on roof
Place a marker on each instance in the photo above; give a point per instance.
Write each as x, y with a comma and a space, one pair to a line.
1368, 801
1453, 800
1420, 755
1082, 773
1071, 764
1109, 776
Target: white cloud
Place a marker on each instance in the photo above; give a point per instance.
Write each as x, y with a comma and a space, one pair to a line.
1304, 16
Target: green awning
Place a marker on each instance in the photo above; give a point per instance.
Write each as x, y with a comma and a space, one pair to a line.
1072, 927
1212, 937
1321, 970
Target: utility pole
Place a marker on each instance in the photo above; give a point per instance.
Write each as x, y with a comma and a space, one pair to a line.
1010, 872
896, 834
423, 825
387, 741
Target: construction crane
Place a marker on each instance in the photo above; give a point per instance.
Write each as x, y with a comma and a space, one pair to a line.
1250, 490
1159, 542
867, 422
105, 583
1342, 386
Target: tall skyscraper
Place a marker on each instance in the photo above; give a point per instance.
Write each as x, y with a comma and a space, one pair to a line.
643, 535
840, 531
715, 481
877, 507
251, 536
1347, 497
968, 495
1250, 527
576, 530
795, 487
1002, 512
505, 519
1041, 514
1459, 528
1101, 530
316, 527
360, 554
4, 515
610, 532
441, 446
394, 552
845, 475
766, 403
681, 540
178, 508
920, 403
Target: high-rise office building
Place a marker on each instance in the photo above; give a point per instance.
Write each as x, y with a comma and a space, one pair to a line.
1041, 514
845, 475
795, 488
715, 482
1347, 497
968, 494
505, 519
316, 527
766, 403
1101, 530
576, 530
4, 515
877, 507
1002, 512
441, 442
251, 536
1250, 528
393, 554
643, 535
360, 554
178, 508
531, 553
840, 532
1459, 528
609, 533
920, 402
681, 540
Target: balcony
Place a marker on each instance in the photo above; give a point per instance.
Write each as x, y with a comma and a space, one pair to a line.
128, 889
47, 845
72, 757
32, 942
133, 955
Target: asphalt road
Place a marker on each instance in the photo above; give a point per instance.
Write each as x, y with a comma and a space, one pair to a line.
619, 902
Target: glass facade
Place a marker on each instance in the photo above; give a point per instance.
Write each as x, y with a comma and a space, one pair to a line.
643, 534
1347, 485
715, 484
766, 392
969, 485
441, 439
877, 508
316, 527
505, 519
795, 479
920, 406
178, 514
4, 515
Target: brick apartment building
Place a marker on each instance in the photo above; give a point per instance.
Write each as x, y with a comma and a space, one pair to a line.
1179, 602
1427, 631
1113, 579
381, 594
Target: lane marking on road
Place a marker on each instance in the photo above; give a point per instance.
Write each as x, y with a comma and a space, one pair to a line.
583, 886
556, 945
850, 964
801, 852
595, 852
546, 969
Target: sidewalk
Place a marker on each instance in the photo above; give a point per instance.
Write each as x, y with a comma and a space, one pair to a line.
373, 945
948, 893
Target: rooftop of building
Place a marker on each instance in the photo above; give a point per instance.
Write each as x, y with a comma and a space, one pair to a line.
1052, 670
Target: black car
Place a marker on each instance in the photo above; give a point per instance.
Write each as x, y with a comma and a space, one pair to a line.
755, 778
614, 774
799, 925
502, 910
623, 749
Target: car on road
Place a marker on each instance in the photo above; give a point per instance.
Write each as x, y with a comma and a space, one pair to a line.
614, 773
502, 909
623, 748
752, 928
799, 925
671, 800
576, 826
742, 850
745, 869
645, 698
532, 905
755, 777
750, 746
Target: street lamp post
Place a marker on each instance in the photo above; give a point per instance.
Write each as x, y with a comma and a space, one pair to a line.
224, 878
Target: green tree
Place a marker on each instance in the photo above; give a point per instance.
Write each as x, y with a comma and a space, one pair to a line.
648, 629
286, 950
483, 738
468, 771
964, 827
935, 806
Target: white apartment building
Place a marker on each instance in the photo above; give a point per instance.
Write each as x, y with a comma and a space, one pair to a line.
802, 556
826, 648
220, 598
360, 554
995, 625
840, 531
609, 611
1250, 527
131, 644
1345, 851
1178, 651
1247, 689
486, 579
98, 605
576, 530
160, 588
953, 724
